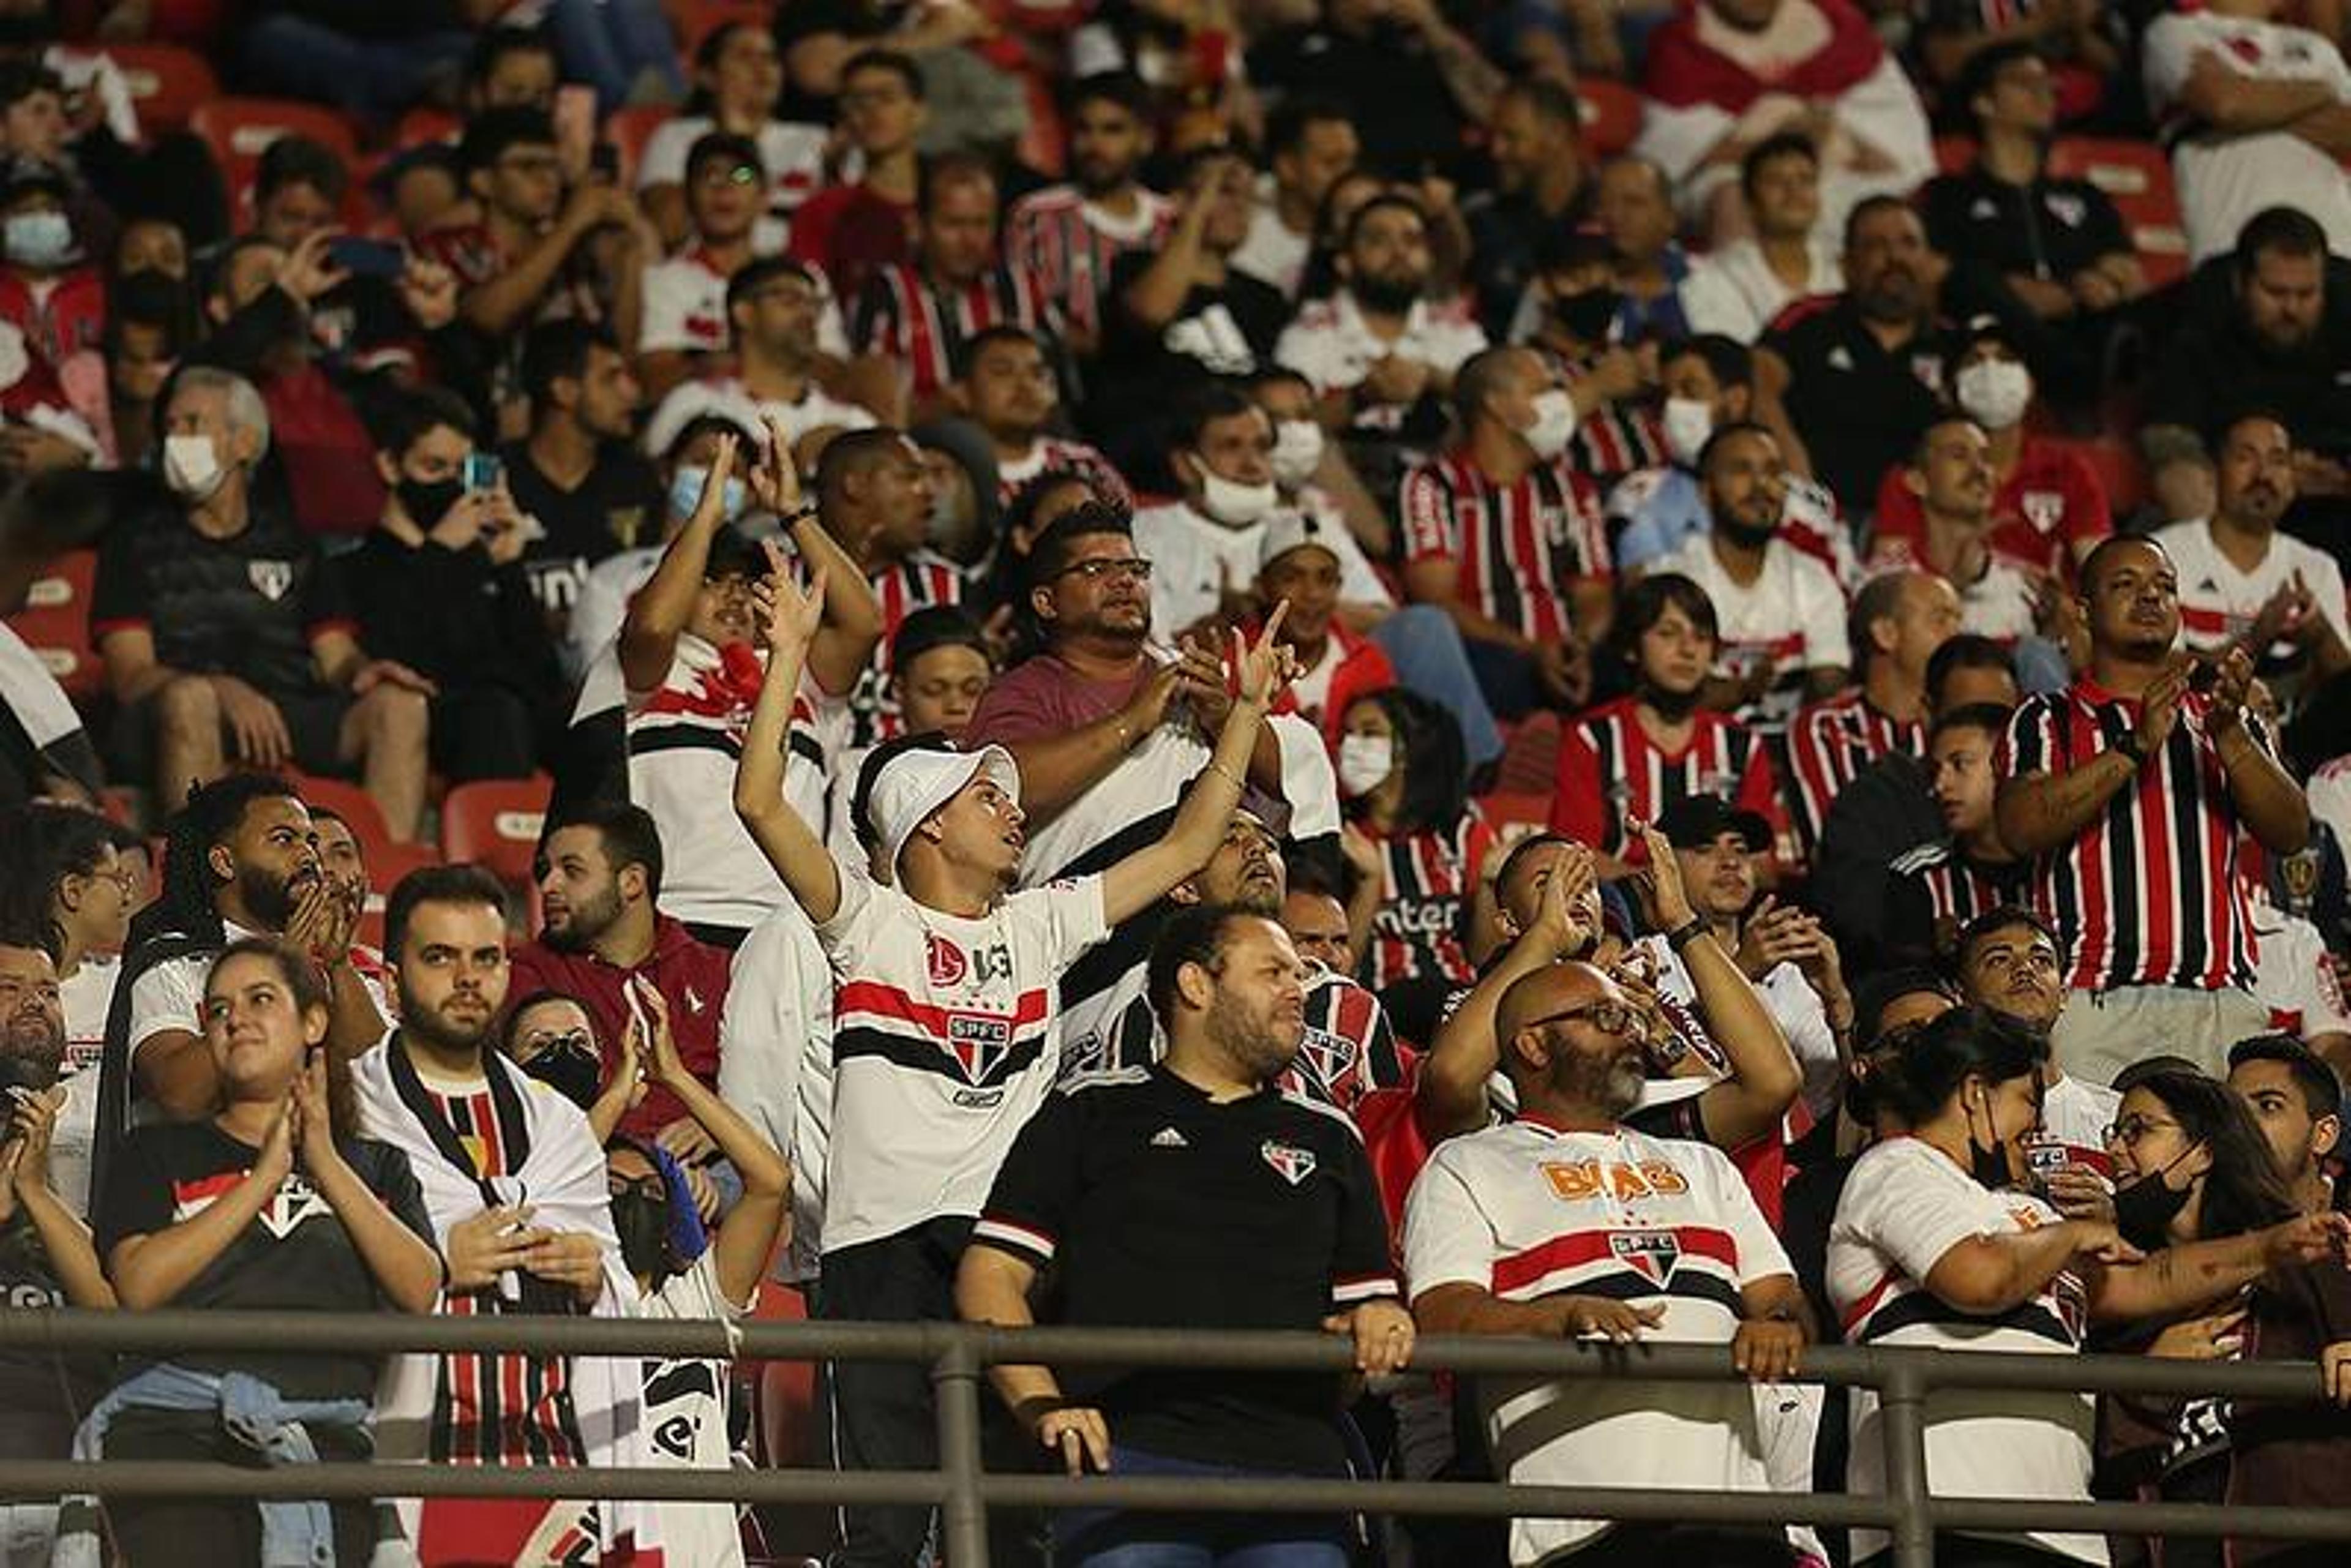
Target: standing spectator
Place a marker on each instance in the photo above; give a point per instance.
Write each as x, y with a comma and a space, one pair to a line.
2245, 585
442, 586
1935, 890
2132, 780
1068, 236
1739, 288
2048, 507
1408, 81
1509, 539
1725, 74
49, 291
1851, 380
2257, 111
513, 1183
1265, 1216
738, 82
848, 230
225, 634
1639, 755
1562, 1224
1898, 619
606, 944
919, 313
1309, 143
1535, 139
1006, 381
682, 327
941, 665
950, 826
2296, 1097
1781, 614
779, 316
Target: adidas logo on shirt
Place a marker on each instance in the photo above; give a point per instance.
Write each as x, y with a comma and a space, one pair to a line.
1169, 1138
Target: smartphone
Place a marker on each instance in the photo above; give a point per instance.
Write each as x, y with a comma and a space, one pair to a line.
366, 257
480, 471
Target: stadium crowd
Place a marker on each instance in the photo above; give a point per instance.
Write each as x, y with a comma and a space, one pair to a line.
1636, 670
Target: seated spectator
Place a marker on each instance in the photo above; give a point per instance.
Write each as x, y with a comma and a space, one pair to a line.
1849, 382
1404, 779
739, 86
48, 290
606, 944
2048, 507
1574, 319
1006, 381
2245, 585
1949, 476
2079, 797
1309, 143
300, 1212
1935, 890
512, 66
1068, 236
1708, 382
440, 585
366, 65
1780, 610
1635, 757
1725, 74
1739, 288
1302, 563
2051, 254
116, 386
1541, 187
1633, 203
622, 49
1380, 354
1313, 475
2081, 44
1408, 81
1508, 539
779, 317
683, 328
1301, 1246
225, 635
873, 492
2257, 111
848, 230
576, 474
2296, 1098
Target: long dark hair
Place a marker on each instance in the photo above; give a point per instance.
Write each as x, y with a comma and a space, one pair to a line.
1917, 1081
2244, 1189
1436, 763
43, 843
702, 100
186, 905
307, 984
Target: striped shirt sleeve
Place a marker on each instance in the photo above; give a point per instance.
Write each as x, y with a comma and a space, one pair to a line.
2031, 744
1427, 511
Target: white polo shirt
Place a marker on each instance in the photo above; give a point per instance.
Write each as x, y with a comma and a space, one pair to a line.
1331, 344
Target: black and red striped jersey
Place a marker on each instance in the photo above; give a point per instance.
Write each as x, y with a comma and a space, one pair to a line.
1348, 1048
1609, 767
1937, 888
1427, 879
1521, 546
1068, 243
2150, 894
1829, 743
923, 326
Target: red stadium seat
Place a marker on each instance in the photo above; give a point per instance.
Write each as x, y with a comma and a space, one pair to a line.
167, 84
384, 870
425, 123
2120, 471
1954, 153
496, 823
55, 624
356, 807
240, 129
1612, 116
628, 130
2137, 177
1502, 807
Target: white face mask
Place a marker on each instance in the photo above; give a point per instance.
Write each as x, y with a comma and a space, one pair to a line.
1994, 392
1231, 503
1297, 451
191, 468
1554, 424
1688, 421
1364, 763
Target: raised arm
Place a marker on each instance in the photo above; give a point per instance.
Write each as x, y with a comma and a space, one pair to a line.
789, 615
24, 1184
2039, 812
406, 1267
150, 1271
658, 613
843, 646
1143, 878
747, 1238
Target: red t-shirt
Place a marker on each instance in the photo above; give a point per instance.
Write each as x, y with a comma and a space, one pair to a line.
2052, 502
850, 230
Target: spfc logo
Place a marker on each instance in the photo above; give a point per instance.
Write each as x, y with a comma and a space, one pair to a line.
1289, 1163
2041, 508
1324, 1055
978, 1043
271, 579
945, 961
1651, 1254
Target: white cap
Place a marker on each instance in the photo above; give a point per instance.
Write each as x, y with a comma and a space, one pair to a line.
914, 784
1291, 529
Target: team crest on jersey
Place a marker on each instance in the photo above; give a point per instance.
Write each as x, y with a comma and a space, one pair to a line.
270, 579
1292, 1163
978, 1043
945, 961
1324, 1054
2041, 508
1651, 1254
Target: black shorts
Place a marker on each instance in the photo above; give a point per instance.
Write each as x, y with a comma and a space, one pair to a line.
314, 724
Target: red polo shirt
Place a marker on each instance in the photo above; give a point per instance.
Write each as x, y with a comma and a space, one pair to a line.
690, 974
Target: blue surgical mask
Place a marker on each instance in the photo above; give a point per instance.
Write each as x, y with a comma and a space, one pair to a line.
685, 494
42, 239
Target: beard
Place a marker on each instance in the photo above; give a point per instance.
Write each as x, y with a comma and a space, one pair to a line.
1610, 1084
1261, 1047
1387, 296
35, 1052
588, 922
428, 1025
268, 898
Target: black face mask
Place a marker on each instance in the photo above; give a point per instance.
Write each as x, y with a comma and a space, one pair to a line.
572, 1071
641, 1221
427, 503
1988, 1162
1587, 313
2144, 1209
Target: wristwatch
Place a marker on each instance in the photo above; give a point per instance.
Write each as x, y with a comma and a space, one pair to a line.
1682, 937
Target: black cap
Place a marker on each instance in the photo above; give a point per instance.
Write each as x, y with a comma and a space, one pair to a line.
26, 172
1696, 820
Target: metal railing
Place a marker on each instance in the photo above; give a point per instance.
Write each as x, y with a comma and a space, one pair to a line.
958, 1355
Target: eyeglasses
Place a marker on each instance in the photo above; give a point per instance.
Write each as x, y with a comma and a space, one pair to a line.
2131, 1129
653, 1189
1103, 570
740, 174
1608, 1018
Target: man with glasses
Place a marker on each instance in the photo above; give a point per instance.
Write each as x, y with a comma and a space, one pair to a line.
683, 324
785, 326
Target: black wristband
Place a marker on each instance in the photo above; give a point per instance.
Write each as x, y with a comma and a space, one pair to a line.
2132, 747
1682, 937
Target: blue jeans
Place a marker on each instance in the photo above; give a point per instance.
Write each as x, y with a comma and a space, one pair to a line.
1104, 1538
301, 58
1422, 643
608, 44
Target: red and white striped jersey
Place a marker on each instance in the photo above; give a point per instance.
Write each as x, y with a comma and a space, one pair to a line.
1609, 767
902, 315
1347, 1052
2150, 894
1521, 548
1069, 245
1829, 743
1055, 454
1426, 880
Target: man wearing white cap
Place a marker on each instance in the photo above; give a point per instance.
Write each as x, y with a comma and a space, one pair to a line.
947, 1022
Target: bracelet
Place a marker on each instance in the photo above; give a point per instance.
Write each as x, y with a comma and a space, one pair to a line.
1221, 771
1682, 935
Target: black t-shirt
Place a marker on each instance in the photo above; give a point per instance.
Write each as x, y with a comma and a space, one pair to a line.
2214, 369
2051, 228
619, 505
1859, 406
247, 606
43, 1397
295, 1256
1158, 1207
1387, 79
1225, 331
453, 615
